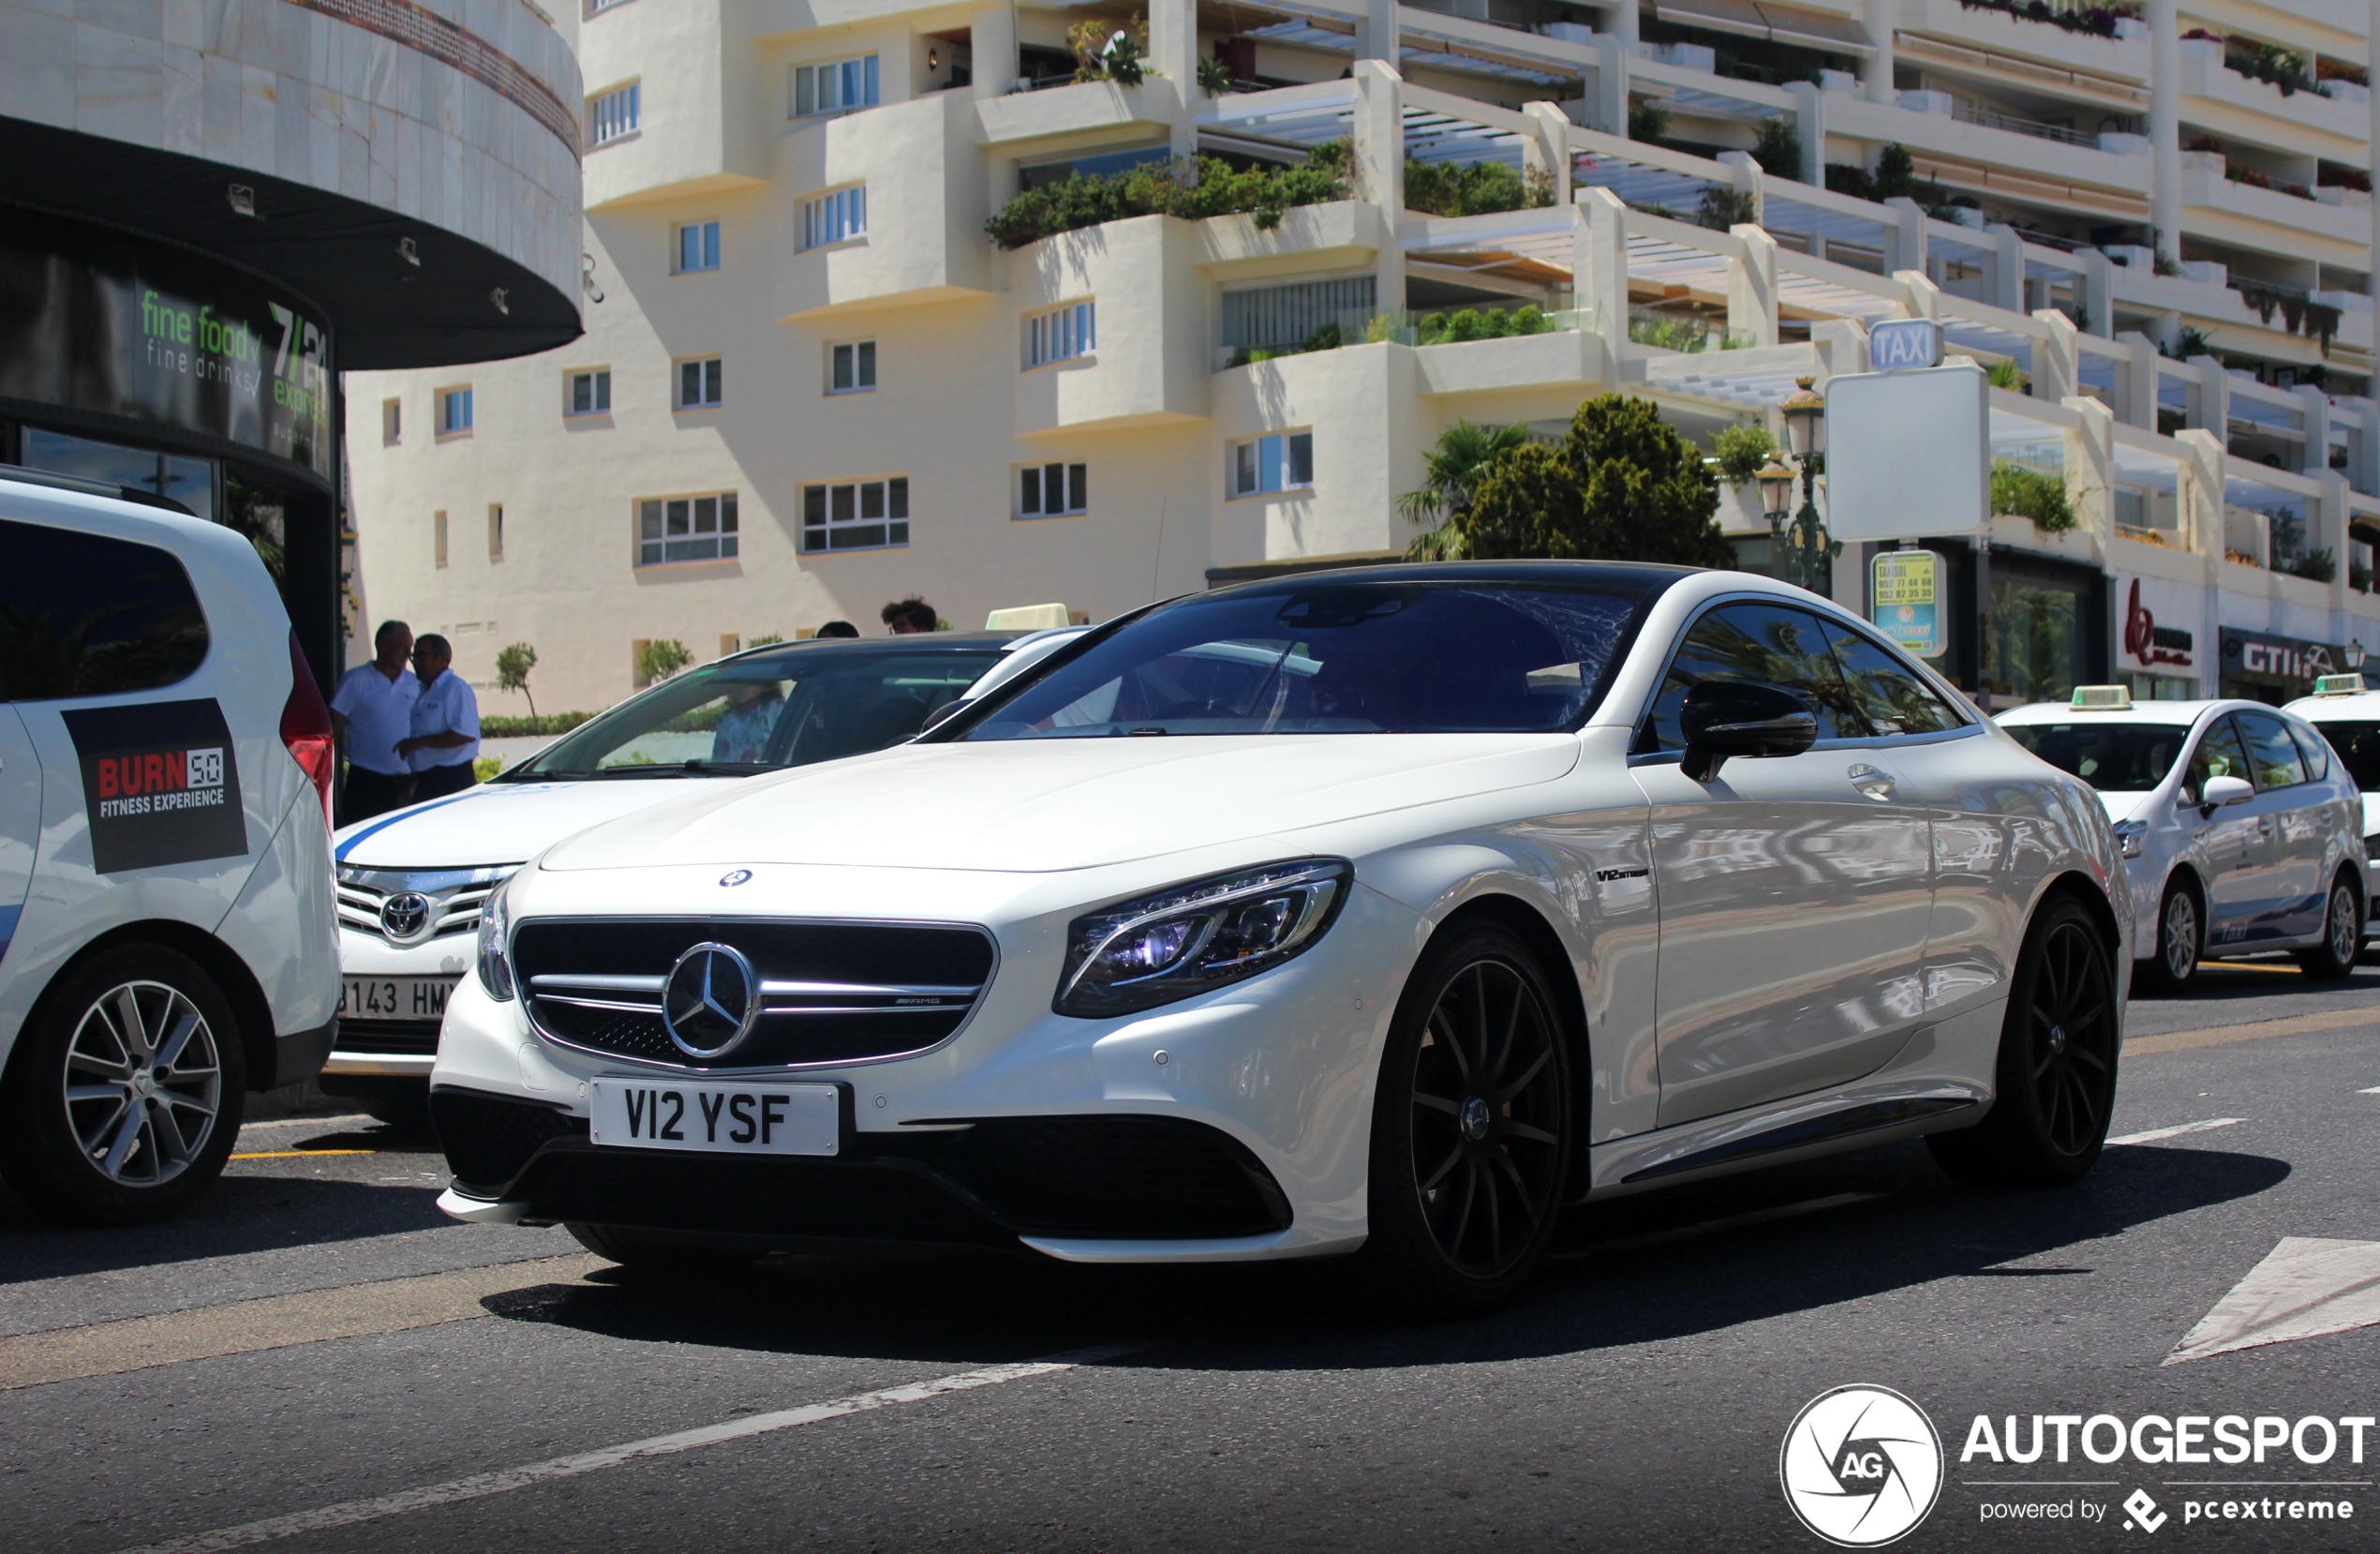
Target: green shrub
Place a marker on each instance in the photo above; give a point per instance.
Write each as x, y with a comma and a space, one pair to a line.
1157, 188
662, 658
1777, 148
2032, 494
1743, 452
522, 728
1473, 188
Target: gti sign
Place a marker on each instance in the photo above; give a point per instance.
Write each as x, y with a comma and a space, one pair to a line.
1900, 344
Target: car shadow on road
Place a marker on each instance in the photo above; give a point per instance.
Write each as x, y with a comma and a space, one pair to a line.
1638, 1270
239, 1214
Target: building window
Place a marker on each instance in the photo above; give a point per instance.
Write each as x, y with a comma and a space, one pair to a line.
437, 537
1281, 462
836, 87
611, 116
834, 217
698, 384
859, 515
1053, 490
454, 411
590, 393
1060, 333
494, 530
392, 422
686, 529
697, 247
851, 368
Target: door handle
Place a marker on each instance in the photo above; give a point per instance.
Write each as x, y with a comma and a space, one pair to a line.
1870, 781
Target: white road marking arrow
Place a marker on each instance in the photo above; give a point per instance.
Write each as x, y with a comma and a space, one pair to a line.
2305, 1288
2178, 1129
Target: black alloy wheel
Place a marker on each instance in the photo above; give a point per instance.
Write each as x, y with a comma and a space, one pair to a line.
2056, 1072
2182, 942
2334, 959
1471, 1131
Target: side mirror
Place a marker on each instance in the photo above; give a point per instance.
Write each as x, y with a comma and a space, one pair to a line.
2220, 791
944, 714
1735, 717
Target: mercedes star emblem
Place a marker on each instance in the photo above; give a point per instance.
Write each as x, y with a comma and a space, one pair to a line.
709, 1001
404, 916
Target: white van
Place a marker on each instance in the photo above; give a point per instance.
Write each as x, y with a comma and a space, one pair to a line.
168, 929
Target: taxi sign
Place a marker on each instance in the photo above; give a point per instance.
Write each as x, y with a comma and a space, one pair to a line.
1898, 345
2337, 685
2102, 699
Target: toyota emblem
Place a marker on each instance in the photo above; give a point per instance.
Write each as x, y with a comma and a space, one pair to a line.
404, 916
709, 1000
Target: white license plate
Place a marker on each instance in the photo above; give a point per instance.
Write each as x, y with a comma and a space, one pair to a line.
732, 1119
394, 997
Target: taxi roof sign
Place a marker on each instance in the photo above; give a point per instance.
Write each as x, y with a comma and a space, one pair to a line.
2337, 685
2102, 699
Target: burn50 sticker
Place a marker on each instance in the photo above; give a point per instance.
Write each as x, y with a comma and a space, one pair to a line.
158, 784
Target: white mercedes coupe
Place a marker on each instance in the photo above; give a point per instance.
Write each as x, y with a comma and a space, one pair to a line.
1382, 911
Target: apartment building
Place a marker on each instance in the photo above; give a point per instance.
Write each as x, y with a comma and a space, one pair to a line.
811, 381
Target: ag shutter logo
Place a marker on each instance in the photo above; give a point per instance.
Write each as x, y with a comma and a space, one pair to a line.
1861, 1466
2144, 1514
158, 784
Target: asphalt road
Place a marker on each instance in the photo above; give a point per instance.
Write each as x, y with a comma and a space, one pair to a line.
317, 1361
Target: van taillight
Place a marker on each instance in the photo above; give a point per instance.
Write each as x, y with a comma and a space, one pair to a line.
305, 726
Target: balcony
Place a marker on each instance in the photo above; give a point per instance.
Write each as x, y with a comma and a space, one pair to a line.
2268, 221
2222, 99
2110, 72
926, 208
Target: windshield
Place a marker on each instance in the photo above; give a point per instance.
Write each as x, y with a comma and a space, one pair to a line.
1341, 658
2359, 745
2113, 757
766, 711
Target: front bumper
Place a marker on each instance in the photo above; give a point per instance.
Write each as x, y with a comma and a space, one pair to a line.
397, 1048
1234, 1126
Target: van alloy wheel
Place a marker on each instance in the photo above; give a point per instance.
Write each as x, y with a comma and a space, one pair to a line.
143, 1079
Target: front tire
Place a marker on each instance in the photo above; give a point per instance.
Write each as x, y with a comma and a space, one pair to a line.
1471, 1127
2056, 1078
126, 1092
2334, 959
2182, 942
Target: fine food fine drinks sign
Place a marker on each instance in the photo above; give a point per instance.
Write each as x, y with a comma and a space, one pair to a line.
1905, 597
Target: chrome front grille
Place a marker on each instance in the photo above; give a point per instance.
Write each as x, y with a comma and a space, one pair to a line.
453, 899
830, 992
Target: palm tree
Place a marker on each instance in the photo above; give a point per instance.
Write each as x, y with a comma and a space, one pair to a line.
1452, 470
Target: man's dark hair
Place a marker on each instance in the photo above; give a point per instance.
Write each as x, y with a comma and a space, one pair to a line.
386, 627
838, 628
430, 642
919, 615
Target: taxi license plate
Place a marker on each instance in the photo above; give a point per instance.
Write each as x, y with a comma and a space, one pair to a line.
728, 1119
394, 997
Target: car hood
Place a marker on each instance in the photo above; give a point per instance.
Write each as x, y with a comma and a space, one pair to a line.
2123, 806
501, 822
1043, 805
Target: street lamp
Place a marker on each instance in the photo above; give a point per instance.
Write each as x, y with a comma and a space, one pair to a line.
2354, 653
1807, 557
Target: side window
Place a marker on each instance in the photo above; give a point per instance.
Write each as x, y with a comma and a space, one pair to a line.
1893, 700
1774, 643
2316, 751
85, 615
2273, 755
2219, 754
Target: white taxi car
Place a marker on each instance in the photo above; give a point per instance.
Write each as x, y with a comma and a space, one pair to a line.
1392, 909
2346, 710
165, 942
2242, 831
411, 883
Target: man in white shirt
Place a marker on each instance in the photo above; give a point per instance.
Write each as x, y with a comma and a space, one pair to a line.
446, 723
373, 710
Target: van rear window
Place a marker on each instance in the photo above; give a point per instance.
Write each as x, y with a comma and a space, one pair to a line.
88, 615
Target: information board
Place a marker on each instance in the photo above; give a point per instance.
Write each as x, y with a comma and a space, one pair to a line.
1905, 600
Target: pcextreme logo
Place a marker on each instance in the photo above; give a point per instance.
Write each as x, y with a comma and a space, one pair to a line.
1861, 1466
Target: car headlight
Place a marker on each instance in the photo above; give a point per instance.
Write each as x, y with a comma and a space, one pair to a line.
496, 966
1191, 938
2128, 835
